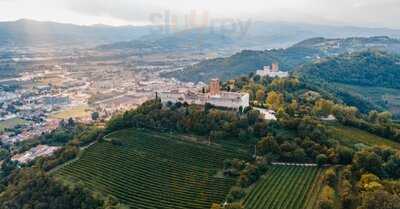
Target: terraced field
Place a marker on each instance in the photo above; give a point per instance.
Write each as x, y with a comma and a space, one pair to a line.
148, 170
285, 187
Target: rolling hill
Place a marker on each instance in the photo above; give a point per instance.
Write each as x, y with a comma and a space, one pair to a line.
180, 41
143, 169
339, 46
368, 68
367, 80
248, 61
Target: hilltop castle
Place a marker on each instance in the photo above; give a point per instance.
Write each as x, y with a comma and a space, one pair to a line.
215, 97
272, 72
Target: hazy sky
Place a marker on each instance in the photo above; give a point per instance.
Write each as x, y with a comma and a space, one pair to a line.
372, 13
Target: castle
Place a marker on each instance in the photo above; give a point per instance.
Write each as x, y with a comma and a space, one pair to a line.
215, 97
272, 72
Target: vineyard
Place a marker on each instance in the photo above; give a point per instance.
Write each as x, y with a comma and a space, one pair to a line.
350, 136
285, 187
147, 170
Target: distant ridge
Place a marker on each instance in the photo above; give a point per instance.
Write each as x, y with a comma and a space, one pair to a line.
26, 32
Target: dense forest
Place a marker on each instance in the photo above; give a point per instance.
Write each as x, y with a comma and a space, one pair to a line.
368, 80
368, 68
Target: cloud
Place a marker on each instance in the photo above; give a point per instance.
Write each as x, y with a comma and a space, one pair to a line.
374, 13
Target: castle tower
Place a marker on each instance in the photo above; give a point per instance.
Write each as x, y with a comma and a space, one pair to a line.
214, 87
275, 67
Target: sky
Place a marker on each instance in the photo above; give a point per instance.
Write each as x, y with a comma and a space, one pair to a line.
365, 13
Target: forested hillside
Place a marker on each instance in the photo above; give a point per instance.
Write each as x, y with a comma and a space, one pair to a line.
248, 61
368, 80
369, 68
244, 63
339, 46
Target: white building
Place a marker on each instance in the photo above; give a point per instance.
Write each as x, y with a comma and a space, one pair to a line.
215, 97
329, 118
267, 114
272, 72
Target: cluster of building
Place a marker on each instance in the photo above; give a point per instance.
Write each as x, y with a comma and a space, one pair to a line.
272, 72
215, 96
38, 151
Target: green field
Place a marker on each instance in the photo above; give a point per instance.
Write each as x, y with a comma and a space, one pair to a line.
350, 136
11, 123
285, 187
150, 170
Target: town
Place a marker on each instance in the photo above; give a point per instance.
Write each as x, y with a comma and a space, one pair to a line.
38, 99
45, 93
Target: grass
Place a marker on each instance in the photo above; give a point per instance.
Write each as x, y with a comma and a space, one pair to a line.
11, 123
285, 187
350, 136
73, 112
152, 170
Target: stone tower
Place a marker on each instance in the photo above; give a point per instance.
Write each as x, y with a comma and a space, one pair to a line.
214, 87
275, 67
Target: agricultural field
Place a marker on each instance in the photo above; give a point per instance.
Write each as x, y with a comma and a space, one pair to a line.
286, 187
350, 136
11, 123
152, 170
73, 112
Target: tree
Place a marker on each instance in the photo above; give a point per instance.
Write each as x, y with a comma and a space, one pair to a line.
274, 100
344, 155
216, 206
268, 145
370, 182
260, 95
95, 116
30, 188
323, 107
380, 200
326, 199
385, 117
321, 159
71, 123
330, 177
292, 107
208, 107
252, 116
234, 206
373, 116
257, 78
299, 155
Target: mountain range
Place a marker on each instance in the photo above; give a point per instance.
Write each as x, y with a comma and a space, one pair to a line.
25, 33
256, 35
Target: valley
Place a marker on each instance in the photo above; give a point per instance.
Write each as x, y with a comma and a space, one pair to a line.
269, 116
